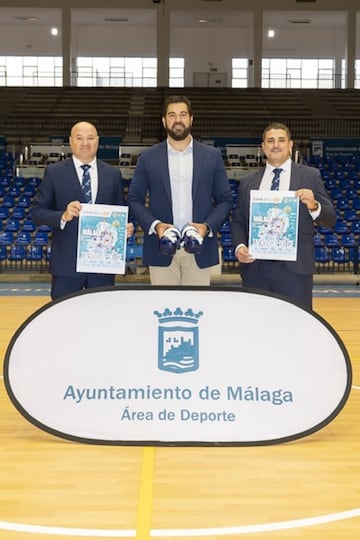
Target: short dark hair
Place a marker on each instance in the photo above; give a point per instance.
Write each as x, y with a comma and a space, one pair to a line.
176, 99
276, 125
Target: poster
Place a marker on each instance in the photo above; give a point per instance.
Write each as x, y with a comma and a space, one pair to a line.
273, 227
102, 239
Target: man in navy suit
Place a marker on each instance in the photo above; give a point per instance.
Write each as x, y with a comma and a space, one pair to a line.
58, 204
180, 196
292, 279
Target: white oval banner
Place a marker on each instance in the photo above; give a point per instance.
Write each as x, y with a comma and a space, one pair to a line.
190, 366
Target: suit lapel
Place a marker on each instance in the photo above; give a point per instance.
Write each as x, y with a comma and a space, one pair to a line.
73, 177
164, 170
295, 177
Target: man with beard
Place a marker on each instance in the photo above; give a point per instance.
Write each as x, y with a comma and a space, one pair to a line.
180, 196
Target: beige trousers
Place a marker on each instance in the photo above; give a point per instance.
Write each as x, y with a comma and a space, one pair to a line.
183, 270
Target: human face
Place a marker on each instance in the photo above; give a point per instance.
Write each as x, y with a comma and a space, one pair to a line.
177, 121
84, 141
277, 147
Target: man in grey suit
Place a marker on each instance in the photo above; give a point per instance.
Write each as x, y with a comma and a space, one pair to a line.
180, 196
58, 204
291, 279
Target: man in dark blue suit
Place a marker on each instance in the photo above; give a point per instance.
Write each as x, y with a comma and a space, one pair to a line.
58, 204
180, 196
292, 279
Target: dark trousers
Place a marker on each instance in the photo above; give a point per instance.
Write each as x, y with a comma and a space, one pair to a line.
61, 286
274, 276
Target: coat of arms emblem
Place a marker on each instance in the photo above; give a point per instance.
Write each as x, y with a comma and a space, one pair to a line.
178, 345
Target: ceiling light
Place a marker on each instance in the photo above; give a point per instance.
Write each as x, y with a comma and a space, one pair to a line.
299, 21
28, 18
116, 19
271, 33
54, 31
208, 21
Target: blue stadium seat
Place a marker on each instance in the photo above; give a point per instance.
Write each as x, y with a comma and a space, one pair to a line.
350, 215
324, 230
18, 213
5, 181
350, 194
342, 204
34, 181
4, 212
356, 204
28, 225
24, 201
228, 254
318, 239
29, 191
225, 227
322, 255
3, 253
331, 240
339, 255
19, 181
17, 253
41, 238
23, 238
346, 183
341, 227
34, 253
348, 240
12, 225
226, 240
355, 227
336, 193
44, 228
14, 191
6, 238
8, 201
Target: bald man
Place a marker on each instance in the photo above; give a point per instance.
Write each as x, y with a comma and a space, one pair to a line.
58, 203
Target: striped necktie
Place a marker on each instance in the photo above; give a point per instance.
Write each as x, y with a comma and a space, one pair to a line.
276, 180
86, 182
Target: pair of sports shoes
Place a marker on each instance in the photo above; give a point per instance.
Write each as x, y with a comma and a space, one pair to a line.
188, 238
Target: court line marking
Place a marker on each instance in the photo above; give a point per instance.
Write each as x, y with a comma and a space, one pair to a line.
160, 533
145, 500
144, 532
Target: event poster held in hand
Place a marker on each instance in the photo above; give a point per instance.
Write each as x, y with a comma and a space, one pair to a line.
273, 227
102, 239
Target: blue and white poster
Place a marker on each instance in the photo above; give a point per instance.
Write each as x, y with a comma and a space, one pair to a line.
102, 239
273, 227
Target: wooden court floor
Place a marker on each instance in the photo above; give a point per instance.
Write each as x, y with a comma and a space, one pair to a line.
309, 489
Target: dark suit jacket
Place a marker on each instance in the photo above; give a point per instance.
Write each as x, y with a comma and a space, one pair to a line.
60, 186
211, 194
301, 177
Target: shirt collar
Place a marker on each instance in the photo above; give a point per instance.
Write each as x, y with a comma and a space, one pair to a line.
187, 149
78, 163
286, 166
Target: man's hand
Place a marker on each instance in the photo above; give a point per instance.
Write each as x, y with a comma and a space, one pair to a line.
129, 229
161, 228
242, 254
201, 228
73, 210
307, 197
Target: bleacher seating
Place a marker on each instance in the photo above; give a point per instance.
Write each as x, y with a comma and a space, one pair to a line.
136, 112
336, 249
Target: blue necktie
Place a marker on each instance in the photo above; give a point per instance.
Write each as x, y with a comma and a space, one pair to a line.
86, 182
276, 180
